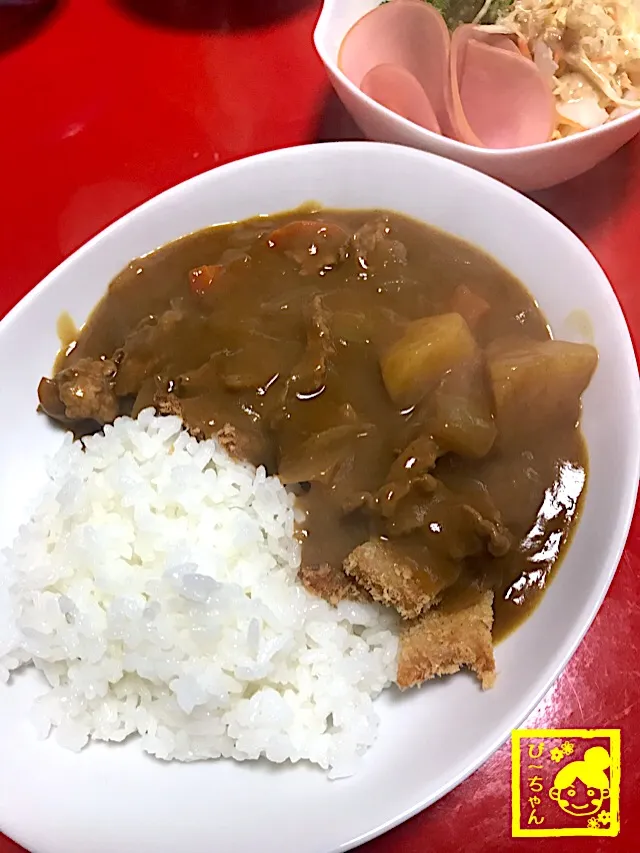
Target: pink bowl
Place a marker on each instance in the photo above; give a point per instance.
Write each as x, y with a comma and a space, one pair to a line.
531, 168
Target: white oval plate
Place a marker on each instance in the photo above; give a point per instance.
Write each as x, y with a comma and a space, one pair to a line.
113, 798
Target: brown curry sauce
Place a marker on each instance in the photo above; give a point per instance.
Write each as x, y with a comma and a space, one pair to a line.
283, 339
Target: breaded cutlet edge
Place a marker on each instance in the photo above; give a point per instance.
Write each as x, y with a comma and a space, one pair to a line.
331, 584
441, 643
396, 587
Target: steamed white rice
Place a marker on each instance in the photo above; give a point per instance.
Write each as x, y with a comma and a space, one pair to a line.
155, 589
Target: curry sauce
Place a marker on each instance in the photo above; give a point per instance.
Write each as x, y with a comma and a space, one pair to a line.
400, 381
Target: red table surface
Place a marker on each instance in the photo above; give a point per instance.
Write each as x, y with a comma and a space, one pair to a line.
104, 103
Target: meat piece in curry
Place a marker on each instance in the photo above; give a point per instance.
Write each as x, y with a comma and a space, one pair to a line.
401, 382
83, 391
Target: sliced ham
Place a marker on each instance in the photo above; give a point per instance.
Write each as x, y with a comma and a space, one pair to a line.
397, 89
476, 87
499, 40
497, 97
403, 34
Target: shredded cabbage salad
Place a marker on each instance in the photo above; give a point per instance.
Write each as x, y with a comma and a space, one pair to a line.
588, 50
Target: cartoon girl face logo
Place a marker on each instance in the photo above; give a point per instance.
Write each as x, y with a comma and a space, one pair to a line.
580, 787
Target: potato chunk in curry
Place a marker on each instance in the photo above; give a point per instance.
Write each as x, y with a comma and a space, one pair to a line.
538, 383
426, 351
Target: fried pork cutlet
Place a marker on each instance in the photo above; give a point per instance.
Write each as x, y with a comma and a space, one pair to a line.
393, 577
441, 642
331, 584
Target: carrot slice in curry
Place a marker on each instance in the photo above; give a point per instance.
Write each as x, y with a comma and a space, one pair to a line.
312, 244
469, 304
201, 278
303, 231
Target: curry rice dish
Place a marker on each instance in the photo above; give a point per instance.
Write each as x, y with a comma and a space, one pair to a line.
400, 382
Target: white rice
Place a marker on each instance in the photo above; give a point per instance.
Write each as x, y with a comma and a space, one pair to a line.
155, 589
